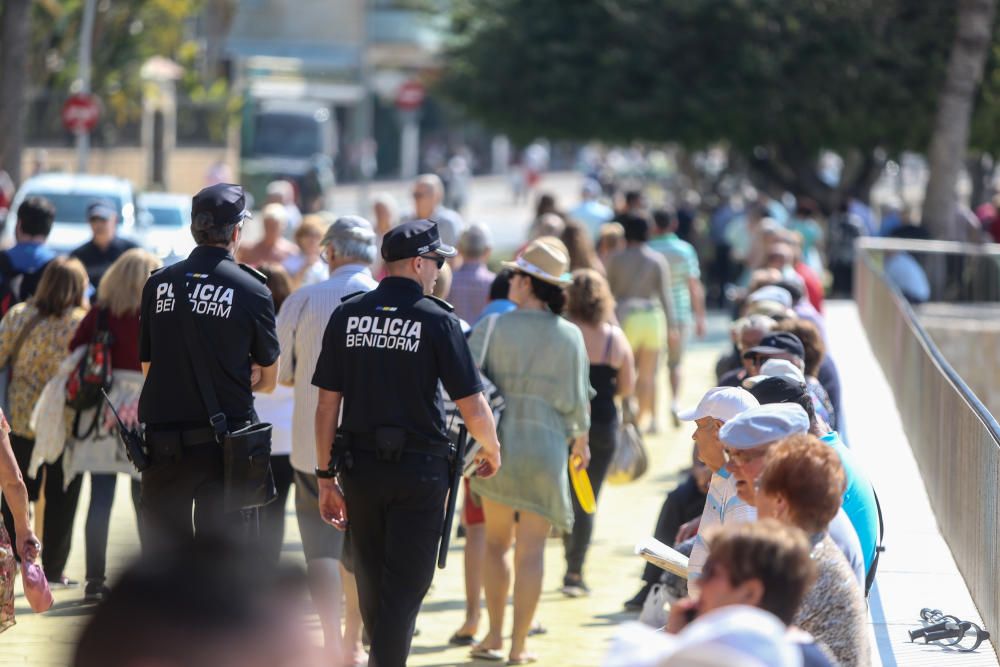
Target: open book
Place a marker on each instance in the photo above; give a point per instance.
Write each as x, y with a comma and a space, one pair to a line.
663, 557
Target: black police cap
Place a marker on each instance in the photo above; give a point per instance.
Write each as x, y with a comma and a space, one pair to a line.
412, 239
225, 203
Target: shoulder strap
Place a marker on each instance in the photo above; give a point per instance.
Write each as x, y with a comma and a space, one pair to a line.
607, 347
879, 548
6, 265
198, 357
23, 336
491, 323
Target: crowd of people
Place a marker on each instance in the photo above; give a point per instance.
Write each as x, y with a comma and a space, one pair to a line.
778, 518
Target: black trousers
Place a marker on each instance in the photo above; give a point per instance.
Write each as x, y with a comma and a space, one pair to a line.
395, 513
603, 441
272, 515
102, 496
170, 487
60, 507
682, 504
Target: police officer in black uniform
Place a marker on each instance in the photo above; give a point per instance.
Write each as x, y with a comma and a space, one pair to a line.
234, 316
384, 353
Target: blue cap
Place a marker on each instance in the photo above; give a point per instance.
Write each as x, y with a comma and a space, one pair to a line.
102, 209
763, 425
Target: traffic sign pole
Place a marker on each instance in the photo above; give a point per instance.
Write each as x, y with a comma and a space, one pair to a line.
86, 43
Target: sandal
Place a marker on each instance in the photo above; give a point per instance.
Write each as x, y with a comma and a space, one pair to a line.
462, 640
526, 659
491, 654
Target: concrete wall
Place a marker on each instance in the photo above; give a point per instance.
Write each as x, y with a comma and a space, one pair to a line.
186, 168
969, 338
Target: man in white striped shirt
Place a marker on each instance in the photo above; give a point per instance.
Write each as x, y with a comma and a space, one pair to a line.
722, 506
349, 249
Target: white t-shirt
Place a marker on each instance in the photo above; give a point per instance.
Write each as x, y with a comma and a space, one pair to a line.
276, 409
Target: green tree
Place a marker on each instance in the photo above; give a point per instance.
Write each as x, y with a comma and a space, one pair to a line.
126, 34
778, 80
954, 115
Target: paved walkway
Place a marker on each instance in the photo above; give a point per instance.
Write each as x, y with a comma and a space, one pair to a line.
916, 571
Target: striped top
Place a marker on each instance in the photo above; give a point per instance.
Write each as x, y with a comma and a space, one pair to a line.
301, 324
683, 261
722, 506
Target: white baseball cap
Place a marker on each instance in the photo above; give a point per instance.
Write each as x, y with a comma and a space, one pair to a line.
781, 368
732, 636
723, 403
764, 424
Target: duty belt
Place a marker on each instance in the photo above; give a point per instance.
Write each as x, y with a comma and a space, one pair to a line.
190, 437
414, 445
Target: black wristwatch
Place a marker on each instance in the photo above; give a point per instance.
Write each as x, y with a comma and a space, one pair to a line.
326, 473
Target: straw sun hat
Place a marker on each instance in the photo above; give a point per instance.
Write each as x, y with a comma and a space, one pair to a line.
543, 260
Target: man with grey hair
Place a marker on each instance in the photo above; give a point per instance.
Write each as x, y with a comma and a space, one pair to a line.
428, 193
747, 332
349, 249
470, 285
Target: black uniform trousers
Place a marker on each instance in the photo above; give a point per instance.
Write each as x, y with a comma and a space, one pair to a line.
395, 513
169, 489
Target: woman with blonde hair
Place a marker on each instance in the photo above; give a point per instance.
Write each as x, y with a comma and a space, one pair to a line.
98, 452
33, 339
308, 267
590, 306
539, 361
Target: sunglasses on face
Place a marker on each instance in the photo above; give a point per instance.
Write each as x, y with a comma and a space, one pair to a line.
437, 259
744, 457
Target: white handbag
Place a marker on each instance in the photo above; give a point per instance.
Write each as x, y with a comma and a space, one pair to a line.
654, 609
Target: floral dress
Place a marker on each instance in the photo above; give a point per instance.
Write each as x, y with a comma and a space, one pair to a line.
8, 572
38, 359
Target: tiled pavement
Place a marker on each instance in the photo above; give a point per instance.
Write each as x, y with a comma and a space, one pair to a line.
916, 571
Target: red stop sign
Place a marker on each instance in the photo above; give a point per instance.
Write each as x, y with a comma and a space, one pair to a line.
80, 113
410, 96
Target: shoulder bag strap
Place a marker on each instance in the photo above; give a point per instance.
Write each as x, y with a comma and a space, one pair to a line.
198, 357
879, 548
490, 324
22, 337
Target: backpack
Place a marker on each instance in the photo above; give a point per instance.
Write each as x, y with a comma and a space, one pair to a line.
91, 376
17, 286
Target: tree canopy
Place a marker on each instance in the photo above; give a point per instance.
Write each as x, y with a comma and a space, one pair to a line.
779, 80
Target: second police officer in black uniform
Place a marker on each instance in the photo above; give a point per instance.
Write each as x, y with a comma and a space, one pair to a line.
234, 315
384, 353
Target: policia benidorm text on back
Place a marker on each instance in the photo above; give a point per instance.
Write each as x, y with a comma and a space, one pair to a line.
384, 354
224, 325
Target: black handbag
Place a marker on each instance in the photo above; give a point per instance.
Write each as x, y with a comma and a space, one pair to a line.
248, 481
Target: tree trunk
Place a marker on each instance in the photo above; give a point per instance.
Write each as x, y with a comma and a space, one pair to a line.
14, 44
951, 127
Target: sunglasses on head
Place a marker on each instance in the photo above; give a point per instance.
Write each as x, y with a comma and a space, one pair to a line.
437, 259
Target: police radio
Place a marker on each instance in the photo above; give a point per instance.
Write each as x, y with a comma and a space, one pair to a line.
131, 438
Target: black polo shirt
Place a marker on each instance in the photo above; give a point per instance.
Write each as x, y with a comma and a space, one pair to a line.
234, 312
386, 350
97, 261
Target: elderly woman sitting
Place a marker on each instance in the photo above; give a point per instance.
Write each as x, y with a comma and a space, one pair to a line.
802, 484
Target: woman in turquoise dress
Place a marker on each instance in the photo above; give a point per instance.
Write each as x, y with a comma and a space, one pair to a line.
539, 362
